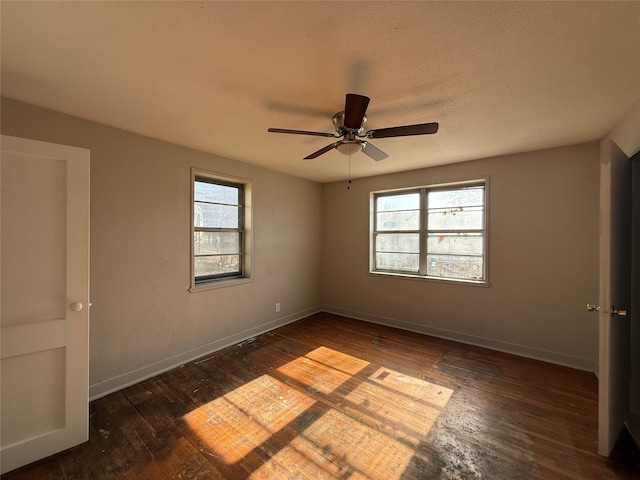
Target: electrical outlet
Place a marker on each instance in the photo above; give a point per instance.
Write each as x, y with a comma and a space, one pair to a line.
277, 307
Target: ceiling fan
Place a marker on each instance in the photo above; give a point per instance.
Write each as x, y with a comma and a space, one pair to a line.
349, 125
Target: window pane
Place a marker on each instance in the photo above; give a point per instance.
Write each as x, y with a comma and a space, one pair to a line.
216, 216
406, 201
210, 192
216, 265
206, 243
398, 242
455, 243
403, 220
403, 262
455, 266
459, 197
453, 220
456, 218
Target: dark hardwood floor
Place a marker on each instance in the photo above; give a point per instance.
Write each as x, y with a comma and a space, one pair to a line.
335, 398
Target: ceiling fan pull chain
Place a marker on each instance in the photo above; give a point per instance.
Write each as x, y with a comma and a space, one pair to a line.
349, 174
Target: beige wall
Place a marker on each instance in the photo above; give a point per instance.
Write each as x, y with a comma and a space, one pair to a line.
143, 318
543, 220
543, 258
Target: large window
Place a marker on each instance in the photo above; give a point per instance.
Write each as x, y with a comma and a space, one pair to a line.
433, 232
219, 229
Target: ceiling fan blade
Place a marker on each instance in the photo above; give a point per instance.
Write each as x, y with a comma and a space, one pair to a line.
301, 132
355, 107
404, 131
321, 151
373, 152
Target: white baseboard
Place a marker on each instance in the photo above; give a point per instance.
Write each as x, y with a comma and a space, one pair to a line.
114, 384
120, 382
515, 349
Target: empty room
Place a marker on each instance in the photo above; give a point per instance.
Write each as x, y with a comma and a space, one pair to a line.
304, 240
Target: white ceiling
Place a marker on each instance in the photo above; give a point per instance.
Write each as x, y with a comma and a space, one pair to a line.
499, 77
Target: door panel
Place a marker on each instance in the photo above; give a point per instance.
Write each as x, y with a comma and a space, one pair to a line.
30, 417
615, 274
37, 238
44, 248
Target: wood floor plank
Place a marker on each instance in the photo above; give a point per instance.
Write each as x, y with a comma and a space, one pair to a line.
330, 397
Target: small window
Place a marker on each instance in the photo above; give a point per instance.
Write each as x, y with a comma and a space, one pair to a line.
219, 229
436, 232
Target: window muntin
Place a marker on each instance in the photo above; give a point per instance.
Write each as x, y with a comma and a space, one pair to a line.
218, 229
436, 232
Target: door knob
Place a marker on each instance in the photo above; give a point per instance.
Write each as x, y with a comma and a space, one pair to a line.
76, 307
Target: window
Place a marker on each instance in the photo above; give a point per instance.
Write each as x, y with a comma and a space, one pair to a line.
433, 232
220, 230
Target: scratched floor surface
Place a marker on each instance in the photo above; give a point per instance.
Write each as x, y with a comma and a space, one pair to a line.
334, 398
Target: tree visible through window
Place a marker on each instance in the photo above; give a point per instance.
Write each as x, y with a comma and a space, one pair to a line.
437, 232
218, 229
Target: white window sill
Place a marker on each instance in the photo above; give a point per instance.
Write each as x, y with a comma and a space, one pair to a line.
454, 281
228, 282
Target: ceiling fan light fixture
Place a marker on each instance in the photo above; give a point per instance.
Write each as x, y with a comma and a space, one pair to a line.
349, 148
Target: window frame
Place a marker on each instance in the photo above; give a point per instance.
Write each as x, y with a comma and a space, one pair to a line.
205, 282
423, 231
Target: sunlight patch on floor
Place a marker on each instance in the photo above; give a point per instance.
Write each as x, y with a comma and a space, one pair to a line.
338, 360
323, 370
315, 375
398, 415
338, 446
376, 421
414, 388
234, 424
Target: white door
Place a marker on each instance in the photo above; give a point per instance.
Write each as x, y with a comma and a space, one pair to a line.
44, 252
614, 298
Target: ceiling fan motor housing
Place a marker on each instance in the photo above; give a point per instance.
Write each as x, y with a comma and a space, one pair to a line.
338, 123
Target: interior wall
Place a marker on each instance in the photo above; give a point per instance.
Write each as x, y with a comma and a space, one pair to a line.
543, 244
543, 258
143, 318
